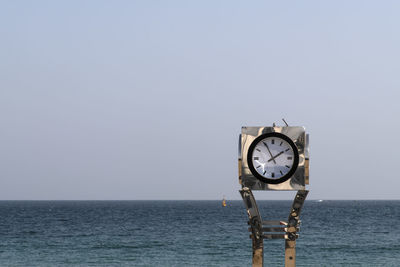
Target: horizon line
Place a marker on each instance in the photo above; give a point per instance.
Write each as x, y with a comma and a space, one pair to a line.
316, 199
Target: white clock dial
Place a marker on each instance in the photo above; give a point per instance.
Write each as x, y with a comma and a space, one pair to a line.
273, 157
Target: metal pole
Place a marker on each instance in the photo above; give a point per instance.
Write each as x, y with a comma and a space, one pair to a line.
290, 253
292, 227
255, 223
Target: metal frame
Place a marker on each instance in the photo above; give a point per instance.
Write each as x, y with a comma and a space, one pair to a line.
261, 230
298, 180
287, 230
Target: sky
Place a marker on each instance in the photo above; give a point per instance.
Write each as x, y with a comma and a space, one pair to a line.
138, 100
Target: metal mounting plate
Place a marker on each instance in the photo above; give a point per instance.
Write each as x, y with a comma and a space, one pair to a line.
297, 181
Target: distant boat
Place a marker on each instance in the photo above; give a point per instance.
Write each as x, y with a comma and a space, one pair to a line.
224, 202
320, 200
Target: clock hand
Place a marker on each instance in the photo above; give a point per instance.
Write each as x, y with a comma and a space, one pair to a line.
280, 153
272, 157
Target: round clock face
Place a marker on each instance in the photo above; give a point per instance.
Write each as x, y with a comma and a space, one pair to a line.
273, 158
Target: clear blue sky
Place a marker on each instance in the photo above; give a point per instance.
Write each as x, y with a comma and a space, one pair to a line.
145, 99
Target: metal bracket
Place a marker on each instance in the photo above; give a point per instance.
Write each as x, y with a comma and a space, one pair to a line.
273, 229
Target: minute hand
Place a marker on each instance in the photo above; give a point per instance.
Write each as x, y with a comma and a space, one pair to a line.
273, 158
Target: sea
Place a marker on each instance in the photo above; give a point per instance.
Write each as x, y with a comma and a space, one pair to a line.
193, 233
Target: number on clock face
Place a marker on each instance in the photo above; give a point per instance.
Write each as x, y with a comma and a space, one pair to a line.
272, 157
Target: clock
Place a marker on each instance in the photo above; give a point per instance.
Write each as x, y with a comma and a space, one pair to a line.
273, 158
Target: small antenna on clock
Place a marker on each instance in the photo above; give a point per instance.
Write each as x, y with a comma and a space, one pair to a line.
285, 122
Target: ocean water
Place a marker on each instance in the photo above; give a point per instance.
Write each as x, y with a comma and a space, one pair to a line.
192, 233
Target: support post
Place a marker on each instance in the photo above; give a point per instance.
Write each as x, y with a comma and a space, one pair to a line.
292, 227
273, 229
255, 223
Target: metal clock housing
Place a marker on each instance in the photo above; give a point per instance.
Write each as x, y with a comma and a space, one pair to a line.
273, 158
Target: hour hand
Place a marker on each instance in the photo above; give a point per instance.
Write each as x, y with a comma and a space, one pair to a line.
273, 158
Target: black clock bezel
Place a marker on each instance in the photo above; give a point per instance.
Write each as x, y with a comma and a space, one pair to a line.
286, 176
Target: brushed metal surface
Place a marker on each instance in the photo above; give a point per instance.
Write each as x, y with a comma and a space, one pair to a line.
300, 177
